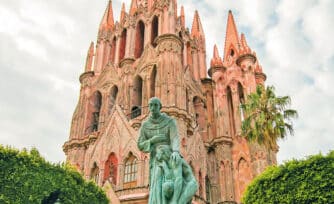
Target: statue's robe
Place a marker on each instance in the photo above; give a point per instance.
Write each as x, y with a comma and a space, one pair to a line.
166, 126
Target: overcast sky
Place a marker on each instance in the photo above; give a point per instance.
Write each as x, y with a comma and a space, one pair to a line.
43, 46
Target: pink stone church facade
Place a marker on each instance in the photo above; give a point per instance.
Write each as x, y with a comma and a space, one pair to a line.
149, 52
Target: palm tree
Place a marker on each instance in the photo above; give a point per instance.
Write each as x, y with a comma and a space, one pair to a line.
267, 117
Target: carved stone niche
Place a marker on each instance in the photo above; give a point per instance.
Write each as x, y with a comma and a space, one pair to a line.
161, 4
169, 43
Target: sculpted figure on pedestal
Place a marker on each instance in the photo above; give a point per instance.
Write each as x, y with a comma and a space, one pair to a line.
171, 178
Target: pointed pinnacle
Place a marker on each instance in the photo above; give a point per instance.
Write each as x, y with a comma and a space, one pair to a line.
150, 4
122, 16
108, 17
243, 40
133, 7
89, 58
231, 37
216, 61
197, 29
183, 22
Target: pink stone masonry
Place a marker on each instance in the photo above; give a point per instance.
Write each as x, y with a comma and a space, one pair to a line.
150, 53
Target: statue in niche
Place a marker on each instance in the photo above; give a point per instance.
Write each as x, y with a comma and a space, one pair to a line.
171, 178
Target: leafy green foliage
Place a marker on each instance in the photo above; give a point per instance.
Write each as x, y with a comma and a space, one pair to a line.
267, 117
25, 177
305, 181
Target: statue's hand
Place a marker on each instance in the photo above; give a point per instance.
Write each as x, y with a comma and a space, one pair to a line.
158, 138
175, 158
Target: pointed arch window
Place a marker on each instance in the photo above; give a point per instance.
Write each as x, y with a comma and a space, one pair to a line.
122, 45
137, 97
182, 59
113, 97
232, 52
135, 112
113, 50
94, 108
155, 30
230, 110
140, 38
241, 101
152, 82
197, 103
189, 54
199, 108
130, 171
110, 169
244, 175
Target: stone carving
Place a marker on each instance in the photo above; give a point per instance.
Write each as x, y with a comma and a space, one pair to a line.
170, 46
171, 178
161, 4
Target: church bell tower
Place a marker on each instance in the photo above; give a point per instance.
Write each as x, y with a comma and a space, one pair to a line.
149, 52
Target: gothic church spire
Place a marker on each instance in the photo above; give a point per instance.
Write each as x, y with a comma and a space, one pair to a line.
108, 17
232, 41
216, 61
122, 16
197, 29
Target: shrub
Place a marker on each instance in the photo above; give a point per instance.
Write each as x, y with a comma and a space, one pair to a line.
25, 177
305, 181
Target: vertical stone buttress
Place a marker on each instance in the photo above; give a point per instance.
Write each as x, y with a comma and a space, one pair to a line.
222, 141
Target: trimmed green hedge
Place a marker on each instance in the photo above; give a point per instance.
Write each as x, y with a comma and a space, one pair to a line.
295, 182
25, 177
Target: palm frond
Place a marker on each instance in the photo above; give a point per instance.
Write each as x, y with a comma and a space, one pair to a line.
266, 117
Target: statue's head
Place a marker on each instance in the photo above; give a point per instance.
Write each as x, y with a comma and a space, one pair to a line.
155, 105
163, 153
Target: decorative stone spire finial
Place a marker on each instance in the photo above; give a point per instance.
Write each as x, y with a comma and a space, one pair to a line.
216, 61
108, 17
197, 29
122, 16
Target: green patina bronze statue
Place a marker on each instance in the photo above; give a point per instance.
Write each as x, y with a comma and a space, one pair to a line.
171, 178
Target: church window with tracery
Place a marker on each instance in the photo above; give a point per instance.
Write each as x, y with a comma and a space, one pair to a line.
140, 38
130, 172
155, 30
122, 45
110, 169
